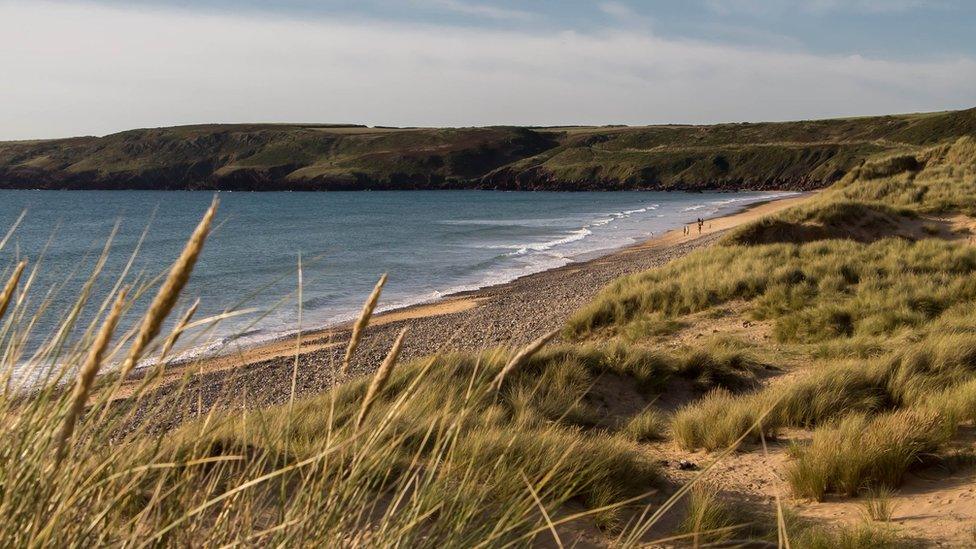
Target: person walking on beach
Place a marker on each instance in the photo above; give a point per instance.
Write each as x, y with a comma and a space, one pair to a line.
701, 223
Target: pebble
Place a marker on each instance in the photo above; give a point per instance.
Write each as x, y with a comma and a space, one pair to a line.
512, 314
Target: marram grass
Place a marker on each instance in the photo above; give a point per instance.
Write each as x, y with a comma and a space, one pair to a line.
505, 447
499, 448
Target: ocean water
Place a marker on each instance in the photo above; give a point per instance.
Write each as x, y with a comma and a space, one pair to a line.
430, 244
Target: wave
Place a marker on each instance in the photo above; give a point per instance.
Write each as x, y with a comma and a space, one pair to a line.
575, 235
528, 222
718, 204
520, 259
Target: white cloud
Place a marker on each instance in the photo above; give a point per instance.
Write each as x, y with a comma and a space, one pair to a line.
616, 9
481, 10
73, 69
624, 14
868, 6
763, 7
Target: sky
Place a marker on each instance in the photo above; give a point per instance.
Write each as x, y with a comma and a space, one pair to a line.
93, 67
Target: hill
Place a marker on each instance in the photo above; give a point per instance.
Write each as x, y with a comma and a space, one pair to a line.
785, 155
806, 379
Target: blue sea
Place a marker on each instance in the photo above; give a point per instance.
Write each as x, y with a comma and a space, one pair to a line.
430, 243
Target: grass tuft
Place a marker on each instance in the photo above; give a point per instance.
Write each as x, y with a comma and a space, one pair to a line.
859, 451
859, 536
878, 504
647, 426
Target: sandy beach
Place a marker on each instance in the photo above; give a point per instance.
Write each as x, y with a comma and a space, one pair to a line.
512, 313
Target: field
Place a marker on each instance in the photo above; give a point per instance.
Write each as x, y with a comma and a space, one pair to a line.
809, 381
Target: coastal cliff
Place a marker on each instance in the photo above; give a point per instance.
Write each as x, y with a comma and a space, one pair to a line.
312, 157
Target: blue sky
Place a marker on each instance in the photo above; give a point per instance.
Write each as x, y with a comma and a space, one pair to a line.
93, 67
908, 28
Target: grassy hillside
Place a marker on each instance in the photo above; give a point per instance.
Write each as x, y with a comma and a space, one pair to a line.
865, 299
804, 366
267, 157
791, 155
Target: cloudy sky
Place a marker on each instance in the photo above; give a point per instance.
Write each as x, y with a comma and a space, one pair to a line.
89, 67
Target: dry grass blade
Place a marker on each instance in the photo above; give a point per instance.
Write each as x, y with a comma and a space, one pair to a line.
178, 330
8, 290
12, 229
542, 510
520, 358
154, 538
782, 536
169, 292
87, 373
298, 336
360, 326
381, 377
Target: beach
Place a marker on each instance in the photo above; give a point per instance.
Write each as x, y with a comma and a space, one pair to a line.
508, 314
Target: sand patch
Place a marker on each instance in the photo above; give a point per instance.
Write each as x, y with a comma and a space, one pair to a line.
719, 224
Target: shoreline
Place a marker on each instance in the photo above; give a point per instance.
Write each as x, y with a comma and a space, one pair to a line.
430, 306
330, 340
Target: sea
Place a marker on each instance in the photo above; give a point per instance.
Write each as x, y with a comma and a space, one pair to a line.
429, 243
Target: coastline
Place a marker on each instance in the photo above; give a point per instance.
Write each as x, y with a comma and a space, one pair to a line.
500, 314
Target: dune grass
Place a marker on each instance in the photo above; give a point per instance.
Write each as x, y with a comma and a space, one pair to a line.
812, 292
858, 452
878, 504
439, 451
509, 447
649, 425
440, 458
941, 178
884, 325
942, 364
825, 217
858, 536
711, 520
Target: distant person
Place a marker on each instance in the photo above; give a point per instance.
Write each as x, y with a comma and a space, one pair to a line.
701, 223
